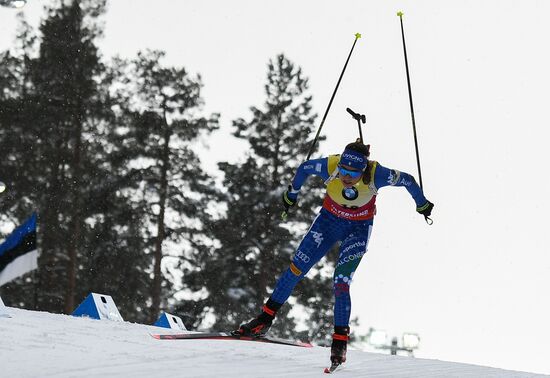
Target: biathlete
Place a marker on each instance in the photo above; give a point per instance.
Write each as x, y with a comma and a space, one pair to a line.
352, 183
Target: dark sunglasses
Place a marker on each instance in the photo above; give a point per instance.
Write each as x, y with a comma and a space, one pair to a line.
348, 172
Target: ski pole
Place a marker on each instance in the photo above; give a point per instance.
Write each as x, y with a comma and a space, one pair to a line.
400, 14
357, 36
360, 119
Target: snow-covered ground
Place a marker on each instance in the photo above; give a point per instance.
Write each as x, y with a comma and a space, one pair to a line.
38, 344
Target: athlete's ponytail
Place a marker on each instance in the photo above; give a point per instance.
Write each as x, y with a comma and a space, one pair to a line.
359, 147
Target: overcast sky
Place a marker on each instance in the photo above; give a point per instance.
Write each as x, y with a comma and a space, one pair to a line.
475, 284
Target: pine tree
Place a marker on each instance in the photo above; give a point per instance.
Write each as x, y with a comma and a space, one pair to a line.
161, 121
58, 103
69, 106
18, 146
255, 245
75, 146
15, 139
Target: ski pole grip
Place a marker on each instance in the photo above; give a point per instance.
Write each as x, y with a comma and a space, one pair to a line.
353, 114
359, 117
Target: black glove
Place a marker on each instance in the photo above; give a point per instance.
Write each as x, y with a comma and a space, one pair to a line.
425, 209
290, 198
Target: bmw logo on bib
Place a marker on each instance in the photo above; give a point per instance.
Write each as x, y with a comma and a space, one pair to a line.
350, 193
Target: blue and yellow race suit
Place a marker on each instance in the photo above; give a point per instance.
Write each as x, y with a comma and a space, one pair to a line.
347, 217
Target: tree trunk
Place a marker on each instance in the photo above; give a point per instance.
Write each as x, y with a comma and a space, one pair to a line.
50, 231
161, 232
76, 227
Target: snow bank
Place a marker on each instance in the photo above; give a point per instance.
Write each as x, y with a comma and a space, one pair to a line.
39, 344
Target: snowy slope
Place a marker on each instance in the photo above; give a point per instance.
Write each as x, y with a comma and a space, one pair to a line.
38, 344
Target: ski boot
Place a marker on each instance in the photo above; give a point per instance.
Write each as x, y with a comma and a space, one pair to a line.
259, 326
339, 345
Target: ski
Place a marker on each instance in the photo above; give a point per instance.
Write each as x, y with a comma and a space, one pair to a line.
230, 336
332, 368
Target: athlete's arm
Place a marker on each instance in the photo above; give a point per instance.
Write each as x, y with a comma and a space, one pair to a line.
317, 167
391, 177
